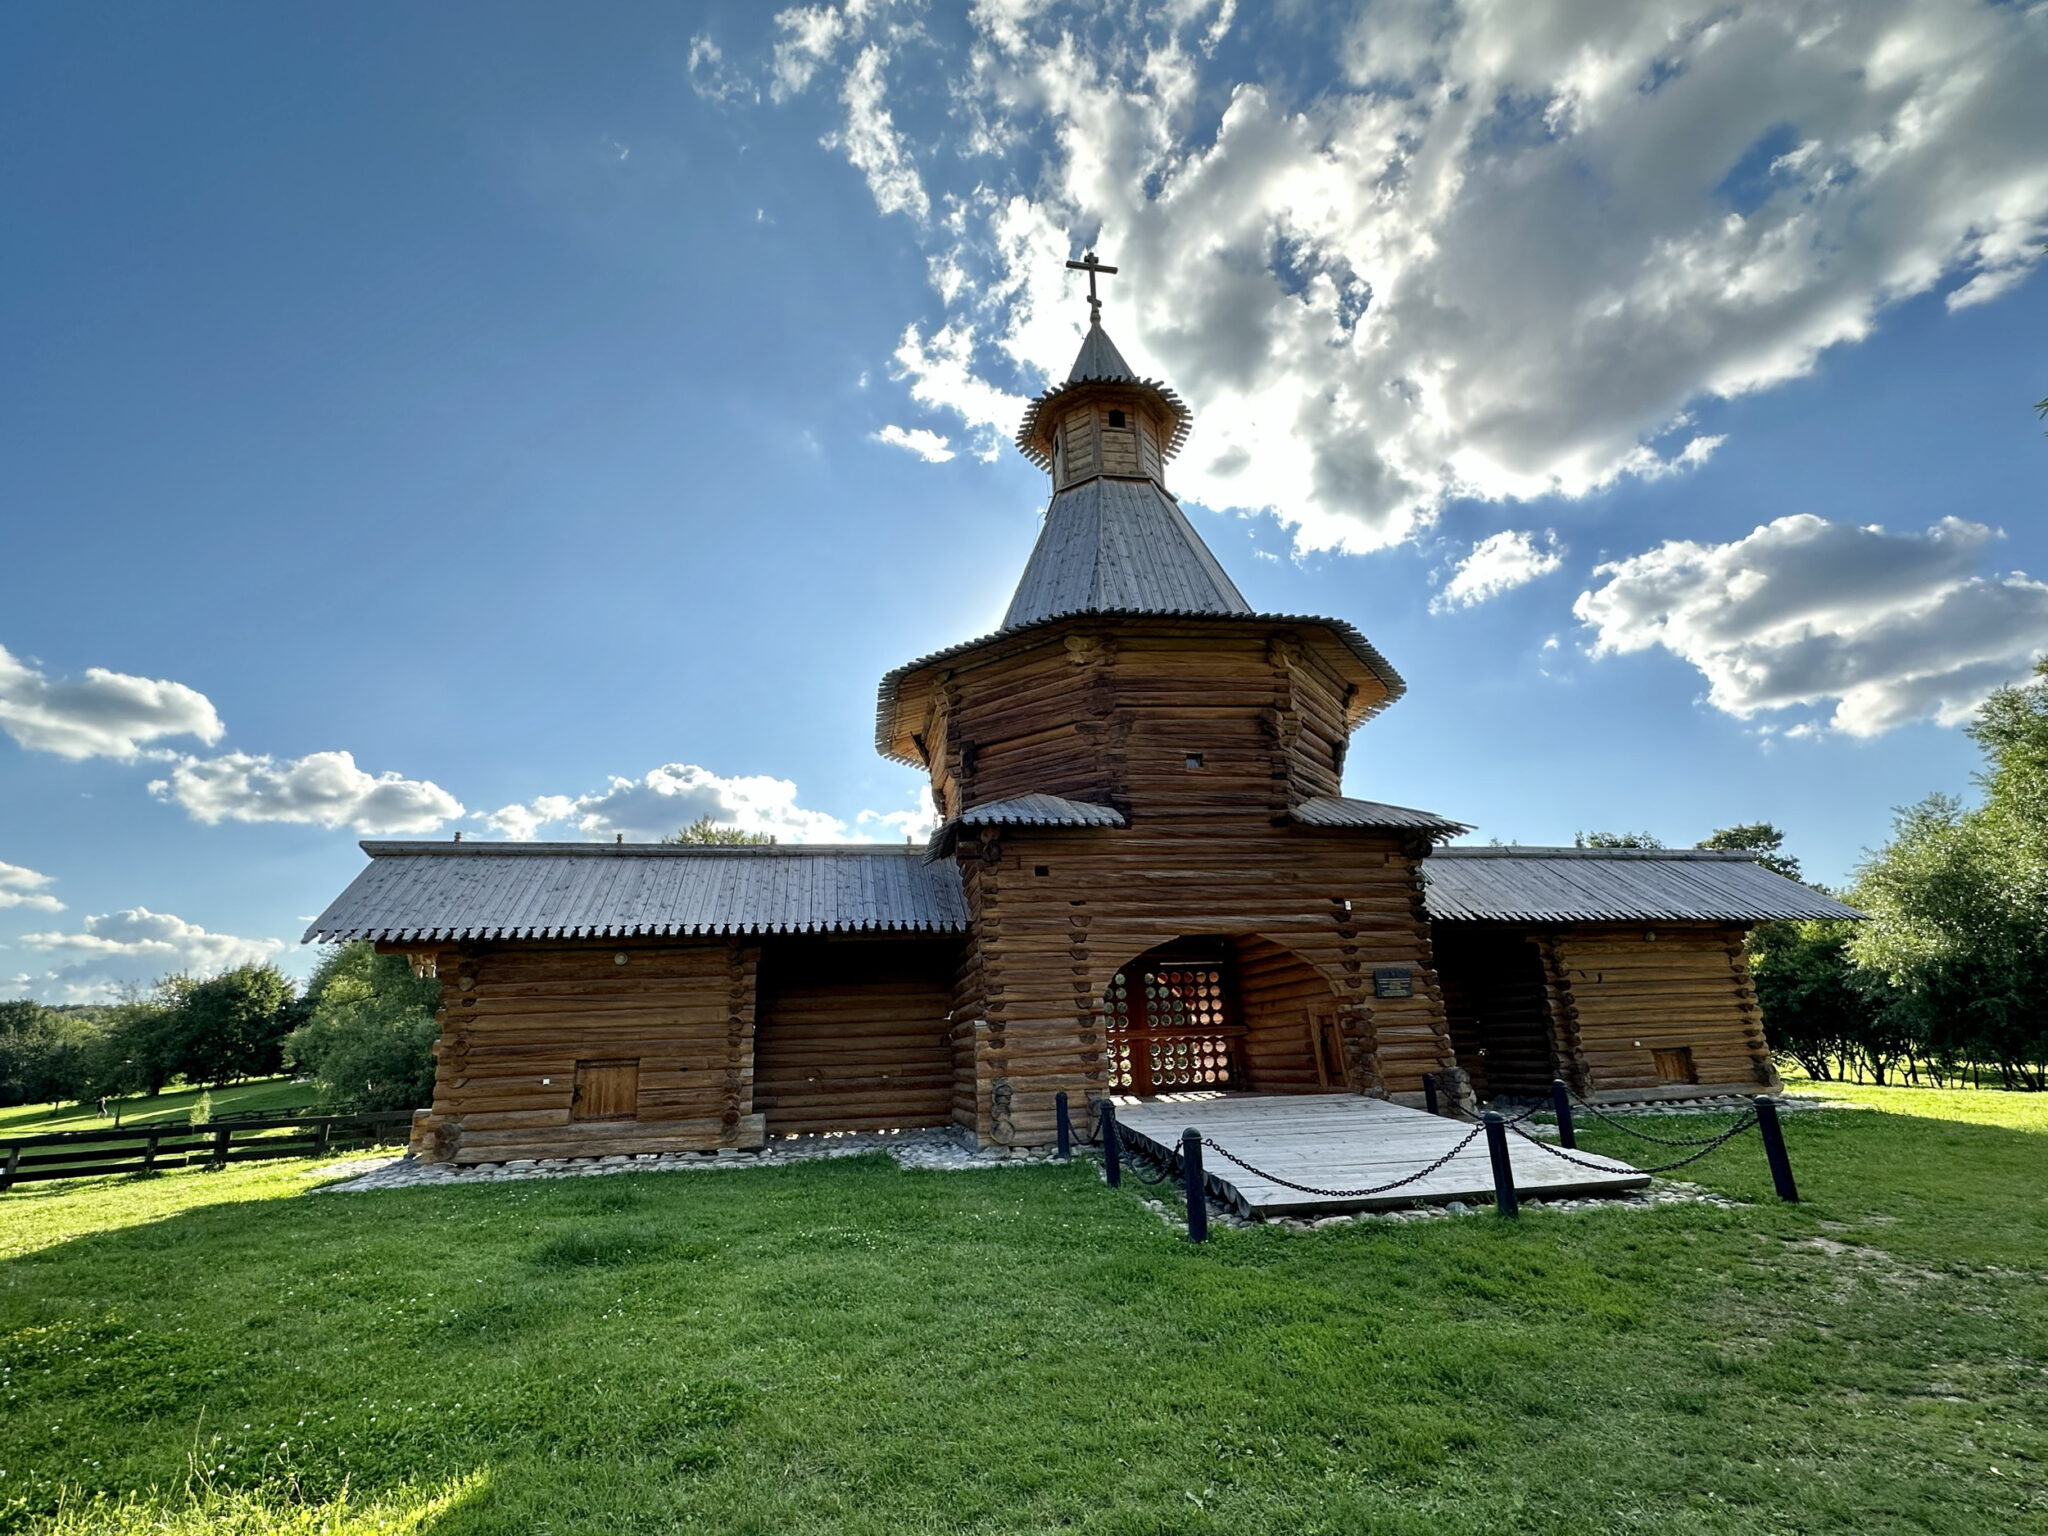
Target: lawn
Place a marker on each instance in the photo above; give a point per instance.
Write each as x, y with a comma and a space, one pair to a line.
850, 1347
173, 1106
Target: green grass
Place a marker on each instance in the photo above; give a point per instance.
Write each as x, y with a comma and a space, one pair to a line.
173, 1106
848, 1347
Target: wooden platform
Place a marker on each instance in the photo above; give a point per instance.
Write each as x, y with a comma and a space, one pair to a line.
1343, 1141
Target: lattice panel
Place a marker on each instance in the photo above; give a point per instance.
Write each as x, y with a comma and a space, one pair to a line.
1170, 1027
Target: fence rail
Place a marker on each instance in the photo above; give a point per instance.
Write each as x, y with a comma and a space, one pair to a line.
149, 1149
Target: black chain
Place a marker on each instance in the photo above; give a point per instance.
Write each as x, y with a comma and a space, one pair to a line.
1167, 1171
1345, 1194
1627, 1130
1721, 1140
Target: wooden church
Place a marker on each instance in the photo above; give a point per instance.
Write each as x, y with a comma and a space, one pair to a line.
1147, 880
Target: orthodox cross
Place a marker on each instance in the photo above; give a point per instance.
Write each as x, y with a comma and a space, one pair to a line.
1091, 266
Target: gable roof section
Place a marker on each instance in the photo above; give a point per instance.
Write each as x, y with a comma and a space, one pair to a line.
1615, 885
1119, 546
453, 891
1338, 811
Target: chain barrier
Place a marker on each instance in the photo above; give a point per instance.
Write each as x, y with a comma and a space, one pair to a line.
1733, 1131
1627, 1130
1344, 1194
1168, 1170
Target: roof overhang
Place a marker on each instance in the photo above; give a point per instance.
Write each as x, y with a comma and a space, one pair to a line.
903, 700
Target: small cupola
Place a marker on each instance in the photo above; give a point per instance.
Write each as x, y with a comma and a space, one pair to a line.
1104, 420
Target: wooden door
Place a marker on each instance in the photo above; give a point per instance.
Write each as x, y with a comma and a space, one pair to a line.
1173, 1026
606, 1090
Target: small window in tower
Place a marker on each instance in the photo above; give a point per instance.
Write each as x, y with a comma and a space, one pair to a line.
1041, 870
1194, 759
1116, 418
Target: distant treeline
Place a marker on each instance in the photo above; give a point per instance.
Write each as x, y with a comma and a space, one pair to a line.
363, 1028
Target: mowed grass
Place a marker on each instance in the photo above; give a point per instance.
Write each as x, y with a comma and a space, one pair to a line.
851, 1347
171, 1107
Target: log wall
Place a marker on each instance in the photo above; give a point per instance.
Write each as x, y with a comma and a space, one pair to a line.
1632, 990
1048, 943
1116, 715
1497, 1001
517, 1018
855, 1035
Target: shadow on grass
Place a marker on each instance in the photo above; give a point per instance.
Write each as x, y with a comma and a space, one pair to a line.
846, 1346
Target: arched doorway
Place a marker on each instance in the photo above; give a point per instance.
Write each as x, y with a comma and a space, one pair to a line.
1222, 1012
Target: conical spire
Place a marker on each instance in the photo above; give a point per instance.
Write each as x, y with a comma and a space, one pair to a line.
1099, 359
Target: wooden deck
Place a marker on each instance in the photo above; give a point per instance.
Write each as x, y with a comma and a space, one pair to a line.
1342, 1141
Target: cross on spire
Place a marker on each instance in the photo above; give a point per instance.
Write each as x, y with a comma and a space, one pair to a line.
1091, 266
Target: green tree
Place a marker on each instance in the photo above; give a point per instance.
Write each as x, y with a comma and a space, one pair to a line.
369, 1032
1617, 840
44, 1052
231, 1026
706, 833
1959, 902
1762, 841
1816, 1009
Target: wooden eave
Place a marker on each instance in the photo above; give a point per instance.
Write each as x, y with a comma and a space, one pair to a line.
904, 702
1034, 437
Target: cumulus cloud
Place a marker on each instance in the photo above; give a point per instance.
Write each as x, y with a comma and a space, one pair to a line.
671, 797
21, 887
927, 445
325, 789
1892, 627
1499, 256
120, 949
103, 714
1495, 565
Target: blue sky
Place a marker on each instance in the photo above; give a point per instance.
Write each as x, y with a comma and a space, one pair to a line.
569, 416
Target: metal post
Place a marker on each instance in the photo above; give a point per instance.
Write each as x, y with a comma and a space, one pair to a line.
1066, 1127
1429, 1091
1112, 1149
1774, 1148
1197, 1189
1561, 1106
1504, 1198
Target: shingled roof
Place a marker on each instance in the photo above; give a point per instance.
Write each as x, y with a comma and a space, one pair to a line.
439, 892
1615, 885
1119, 546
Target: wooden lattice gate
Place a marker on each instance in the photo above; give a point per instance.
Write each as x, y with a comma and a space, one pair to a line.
1173, 1026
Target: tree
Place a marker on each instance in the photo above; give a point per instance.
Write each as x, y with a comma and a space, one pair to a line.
1617, 840
1959, 902
1815, 1008
706, 833
230, 1026
1762, 841
369, 1032
44, 1052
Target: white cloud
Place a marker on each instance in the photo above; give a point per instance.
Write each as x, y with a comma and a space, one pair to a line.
325, 789
118, 949
105, 714
712, 78
1497, 564
669, 798
21, 887
872, 143
1500, 257
927, 445
1892, 627
661, 803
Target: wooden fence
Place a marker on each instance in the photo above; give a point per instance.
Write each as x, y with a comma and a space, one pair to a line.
146, 1149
